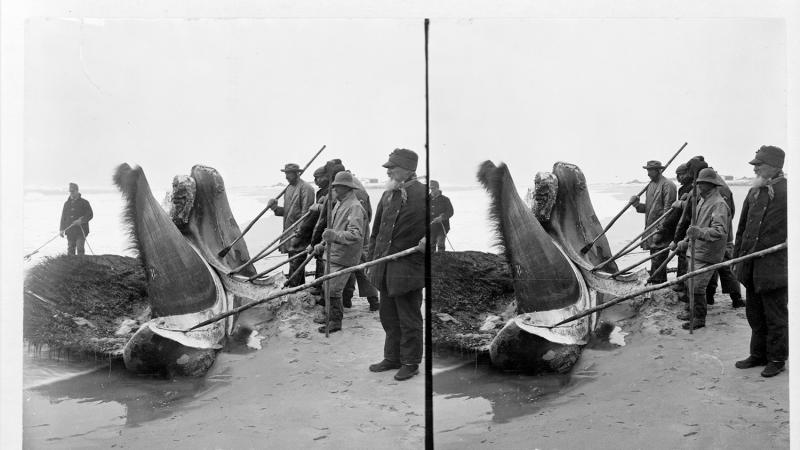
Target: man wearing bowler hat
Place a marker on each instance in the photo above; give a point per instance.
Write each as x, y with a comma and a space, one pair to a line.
298, 198
343, 243
710, 235
659, 197
400, 223
762, 224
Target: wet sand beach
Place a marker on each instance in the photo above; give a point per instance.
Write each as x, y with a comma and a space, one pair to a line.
299, 390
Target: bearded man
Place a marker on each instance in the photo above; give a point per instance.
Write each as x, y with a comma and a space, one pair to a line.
763, 225
400, 223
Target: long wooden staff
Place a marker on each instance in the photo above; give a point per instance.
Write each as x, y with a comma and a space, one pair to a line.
328, 208
588, 246
680, 279
319, 280
632, 244
225, 250
283, 238
282, 263
302, 267
691, 260
663, 264
28, 256
640, 262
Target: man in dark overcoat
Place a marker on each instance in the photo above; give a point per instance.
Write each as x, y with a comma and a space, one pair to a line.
762, 224
75, 217
400, 223
441, 212
660, 195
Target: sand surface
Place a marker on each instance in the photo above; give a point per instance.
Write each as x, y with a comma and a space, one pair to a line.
665, 389
300, 390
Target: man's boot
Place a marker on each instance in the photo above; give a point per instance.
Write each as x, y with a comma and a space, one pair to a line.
374, 303
406, 372
736, 301
751, 361
384, 366
773, 368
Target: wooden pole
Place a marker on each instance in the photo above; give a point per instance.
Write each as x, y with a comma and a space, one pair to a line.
264, 253
259, 275
292, 290
588, 246
640, 262
225, 250
630, 246
680, 279
302, 267
691, 260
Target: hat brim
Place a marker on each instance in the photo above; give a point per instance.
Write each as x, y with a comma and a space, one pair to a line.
756, 161
290, 170
653, 167
350, 185
389, 164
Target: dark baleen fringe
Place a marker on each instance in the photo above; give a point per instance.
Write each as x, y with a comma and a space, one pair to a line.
544, 278
178, 281
125, 178
491, 177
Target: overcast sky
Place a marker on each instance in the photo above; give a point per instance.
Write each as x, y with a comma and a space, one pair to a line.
244, 96
605, 94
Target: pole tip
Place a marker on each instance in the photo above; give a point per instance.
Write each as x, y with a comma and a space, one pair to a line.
586, 248
223, 252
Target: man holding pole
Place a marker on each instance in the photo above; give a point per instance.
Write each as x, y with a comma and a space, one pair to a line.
400, 223
659, 197
441, 212
344, 240
298, 198
75, 217
709, 234
763, 224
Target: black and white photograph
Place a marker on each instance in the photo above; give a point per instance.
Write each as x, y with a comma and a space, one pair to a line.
398, 225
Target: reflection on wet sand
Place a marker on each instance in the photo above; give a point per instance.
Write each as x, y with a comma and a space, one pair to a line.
97, 404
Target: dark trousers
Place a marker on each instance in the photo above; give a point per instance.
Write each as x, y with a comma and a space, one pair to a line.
768, 316
365, 288
76, 243
700, 285
300, 278
661, 276
438, 237
402, 321
730, 285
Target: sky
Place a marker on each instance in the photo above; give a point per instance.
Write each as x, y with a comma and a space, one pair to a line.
605, 94
245, 96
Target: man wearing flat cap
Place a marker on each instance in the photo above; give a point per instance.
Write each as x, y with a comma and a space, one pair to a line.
762, 224
400, 223
710, 235
298, 198
75, 217
343, 243
659, 197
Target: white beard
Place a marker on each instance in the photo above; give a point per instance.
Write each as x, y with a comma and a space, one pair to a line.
392, 185
760, 181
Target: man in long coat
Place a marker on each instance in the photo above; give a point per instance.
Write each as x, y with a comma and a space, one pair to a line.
762, 224
710, 235
400, 223
344, 240
659, 197
298, 198
75, 217
441, 212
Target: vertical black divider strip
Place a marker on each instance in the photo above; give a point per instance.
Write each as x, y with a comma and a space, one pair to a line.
428, 347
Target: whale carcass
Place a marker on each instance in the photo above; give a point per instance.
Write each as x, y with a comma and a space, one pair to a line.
549, 278
187, 282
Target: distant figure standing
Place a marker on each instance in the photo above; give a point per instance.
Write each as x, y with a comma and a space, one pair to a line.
763, 225
659, 197
75, 217
298, 198
400, 223
441, 212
